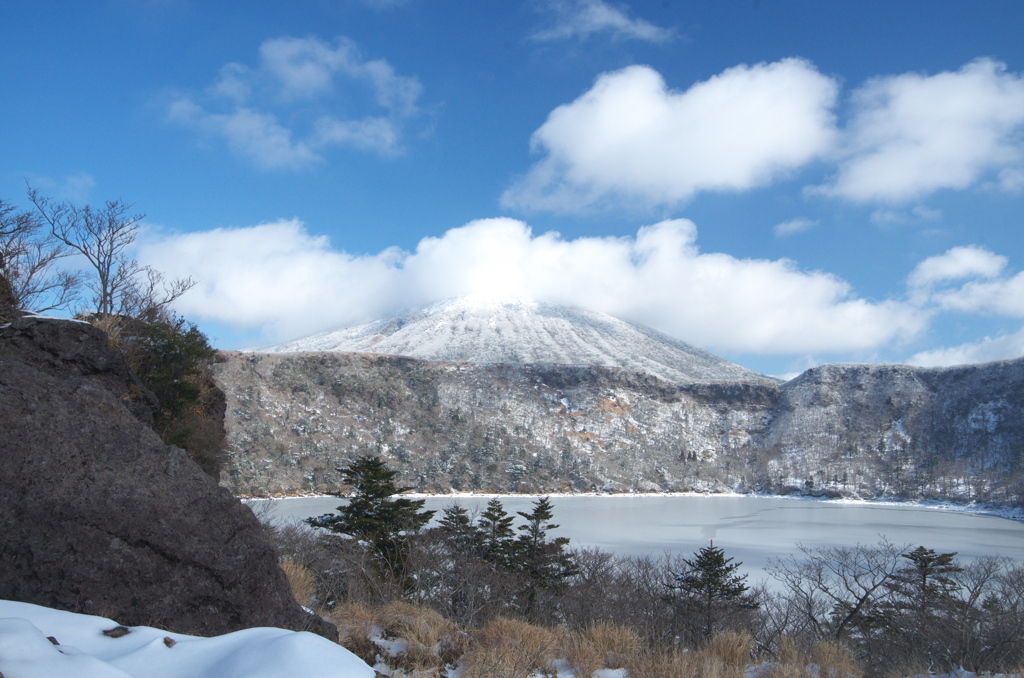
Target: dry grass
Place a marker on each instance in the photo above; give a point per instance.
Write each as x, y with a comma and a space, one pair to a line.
727, 655
660, 665
355, 624
582, 653
110, 324
616, 644
730, 649
507, 648
301, 581
824, 659
834, 660
433, 642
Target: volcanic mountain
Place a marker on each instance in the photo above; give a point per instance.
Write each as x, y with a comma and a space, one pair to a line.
525, 332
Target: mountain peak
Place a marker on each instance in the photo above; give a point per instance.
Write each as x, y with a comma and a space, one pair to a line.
512, 330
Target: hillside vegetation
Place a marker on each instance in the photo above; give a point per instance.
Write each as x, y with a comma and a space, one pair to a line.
860, 430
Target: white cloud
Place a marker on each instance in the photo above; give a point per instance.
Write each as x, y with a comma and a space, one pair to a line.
1002, 347
585, 18
955, 264
885, 216
793, 226
985, 290
250, 134
280, 278
632, 139
911, 135
1004, 297
303, 79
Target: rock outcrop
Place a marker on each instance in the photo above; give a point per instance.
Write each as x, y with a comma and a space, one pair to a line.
99, 516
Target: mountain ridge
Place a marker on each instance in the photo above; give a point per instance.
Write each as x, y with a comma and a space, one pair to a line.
474, 330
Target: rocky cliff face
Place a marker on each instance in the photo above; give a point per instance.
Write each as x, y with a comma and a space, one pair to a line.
838, 429
99, 516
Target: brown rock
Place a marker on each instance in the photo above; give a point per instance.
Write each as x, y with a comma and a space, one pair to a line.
98, 516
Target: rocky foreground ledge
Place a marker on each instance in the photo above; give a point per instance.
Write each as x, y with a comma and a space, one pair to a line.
100, 517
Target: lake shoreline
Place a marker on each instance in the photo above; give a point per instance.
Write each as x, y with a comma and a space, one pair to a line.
1007, 512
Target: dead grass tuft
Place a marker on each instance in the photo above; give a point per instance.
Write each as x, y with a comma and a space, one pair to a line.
301, 581
582, 653
355, 624
660, 665
825, 659
508, 648
729, 648
834, 660
433, 642
615, 643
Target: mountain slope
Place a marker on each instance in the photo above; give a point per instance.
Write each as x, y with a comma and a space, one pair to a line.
523, 332
866, 430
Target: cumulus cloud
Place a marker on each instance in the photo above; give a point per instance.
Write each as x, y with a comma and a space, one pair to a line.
585, 18
793, 226
955, 264
280, 278
1002, 347
303, 80
969, 279
630, 138
911, 134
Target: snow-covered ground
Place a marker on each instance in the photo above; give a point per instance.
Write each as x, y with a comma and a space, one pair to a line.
37, 642
525, 332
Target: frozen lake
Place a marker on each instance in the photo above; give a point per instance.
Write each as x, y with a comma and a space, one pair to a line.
750, 529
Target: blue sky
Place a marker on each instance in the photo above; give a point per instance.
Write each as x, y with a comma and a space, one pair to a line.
784, 183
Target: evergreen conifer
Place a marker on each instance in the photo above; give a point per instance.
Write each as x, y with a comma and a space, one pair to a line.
373, 515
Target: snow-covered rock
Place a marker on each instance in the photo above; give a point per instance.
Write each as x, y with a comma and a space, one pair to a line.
525, 332
80, 648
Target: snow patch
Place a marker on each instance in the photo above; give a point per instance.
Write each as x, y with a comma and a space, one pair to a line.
84, 651
525, 332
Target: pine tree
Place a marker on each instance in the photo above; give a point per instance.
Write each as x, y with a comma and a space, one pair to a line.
373, 516
457, 527
497, 538
710, 588
545, 562
924, 603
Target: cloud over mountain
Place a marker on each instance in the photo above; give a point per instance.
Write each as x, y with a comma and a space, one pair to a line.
279, 277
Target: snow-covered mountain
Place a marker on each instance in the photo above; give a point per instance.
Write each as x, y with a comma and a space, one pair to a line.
525, 332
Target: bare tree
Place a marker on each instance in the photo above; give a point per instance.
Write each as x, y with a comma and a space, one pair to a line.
104, 237
28, 261
833, 591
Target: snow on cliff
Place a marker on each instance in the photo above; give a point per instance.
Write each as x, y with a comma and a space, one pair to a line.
524, 332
